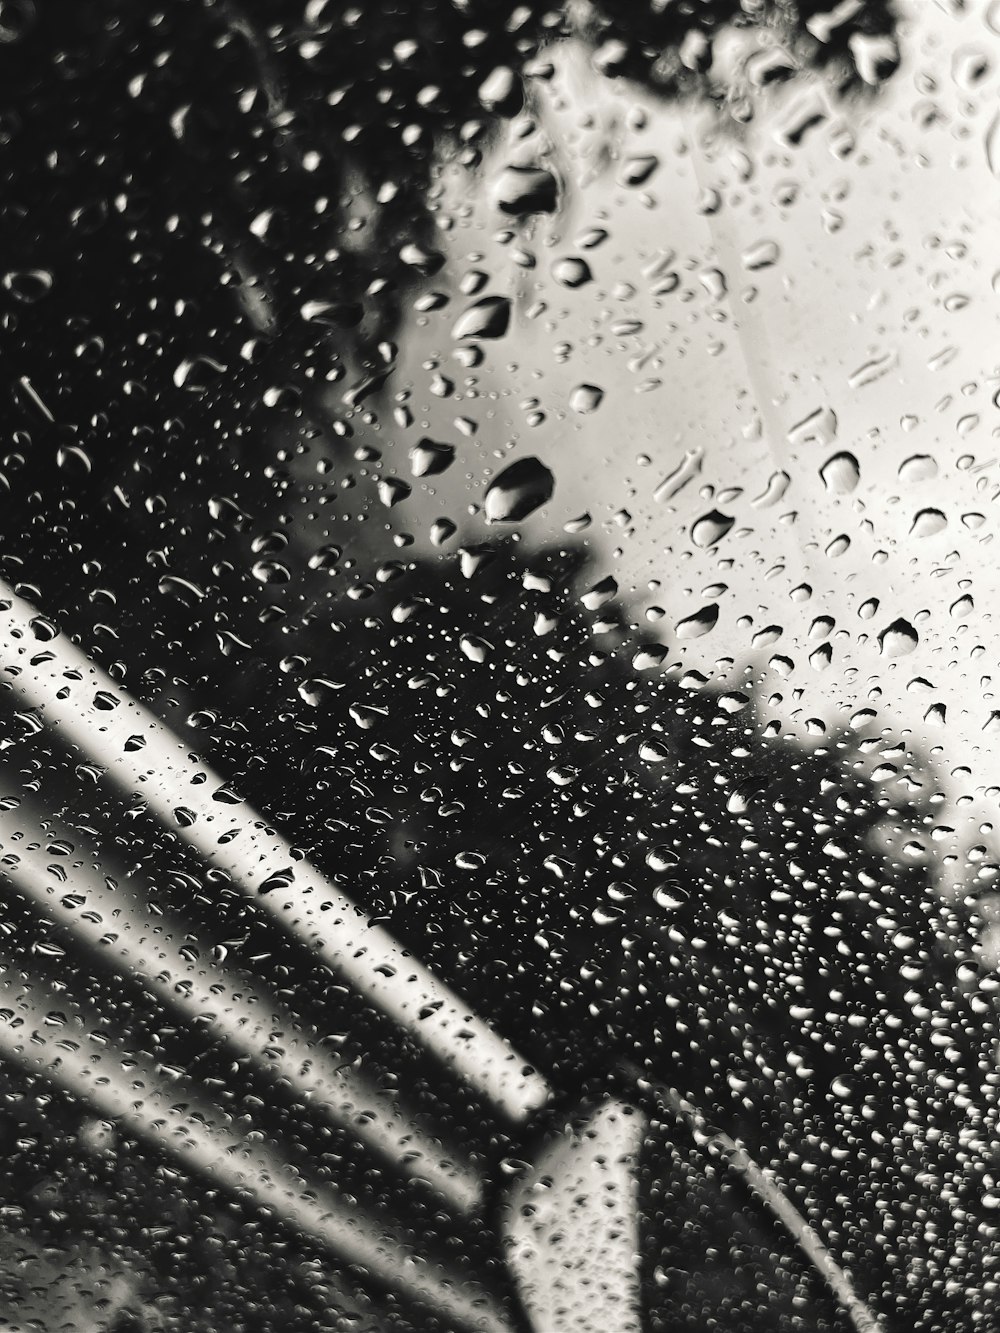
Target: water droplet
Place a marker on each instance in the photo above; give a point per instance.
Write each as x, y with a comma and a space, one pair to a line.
428, 458
501, 92
318, 691
918, 467
393, 490
442, 530
488, 317
271, 571
714, 282
710, 528
71, 458
898, 639
586, 398
654, 751
571, 271
333, 314
670, 896
518, 491
521, 191
872, 370
761, 255
28, 285
702, 622
992, 146
840, 473
198, 373
16, 18
819, 427
474, 648
928, 522
425, 262
777, 484
600, 594
637, 170
325, 558
646, 659
686, 469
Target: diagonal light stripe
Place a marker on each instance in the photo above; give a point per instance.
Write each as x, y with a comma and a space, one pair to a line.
141, 754
56, 1038
76, 897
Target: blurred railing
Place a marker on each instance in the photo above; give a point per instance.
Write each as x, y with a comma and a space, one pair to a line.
71, 1035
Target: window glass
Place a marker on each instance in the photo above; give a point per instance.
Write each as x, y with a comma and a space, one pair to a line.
496, 621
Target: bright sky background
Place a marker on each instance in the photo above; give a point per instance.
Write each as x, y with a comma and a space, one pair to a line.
884, 218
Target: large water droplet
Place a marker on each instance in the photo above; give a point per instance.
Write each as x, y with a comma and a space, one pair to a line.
600, 594
571, 271
586, 398
702, 622
393, 490
927, 523
840, 473
710, 528
518, 491
28, 284
501, 92
918, 467
898, 639
429, 458
761, 255
521, 191
488, 317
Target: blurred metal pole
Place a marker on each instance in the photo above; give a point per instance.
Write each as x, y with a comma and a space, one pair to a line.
90, 711
112, 926
68, 1044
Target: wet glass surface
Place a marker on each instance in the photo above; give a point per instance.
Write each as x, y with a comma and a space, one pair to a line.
498, 742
